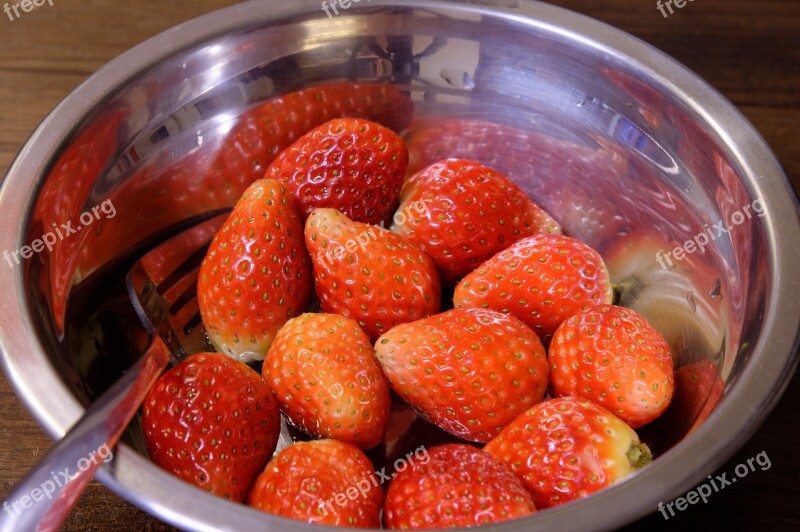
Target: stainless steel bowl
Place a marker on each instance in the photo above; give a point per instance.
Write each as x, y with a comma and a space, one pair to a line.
628, 149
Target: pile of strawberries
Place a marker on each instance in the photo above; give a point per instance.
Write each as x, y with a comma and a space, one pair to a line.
471, 308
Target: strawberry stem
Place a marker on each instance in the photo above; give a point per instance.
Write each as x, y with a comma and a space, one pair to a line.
626, 291
639, 455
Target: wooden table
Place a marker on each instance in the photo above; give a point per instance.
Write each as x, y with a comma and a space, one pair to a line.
749, 50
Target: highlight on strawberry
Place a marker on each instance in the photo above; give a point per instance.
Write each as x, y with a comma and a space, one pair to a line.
468, 371
213, 422
612, 356
349, 164
256, 274
324, 374
542, 280
460, 486
566, 448
312, 482
365, 272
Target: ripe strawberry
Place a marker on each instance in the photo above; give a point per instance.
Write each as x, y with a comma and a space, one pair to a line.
459, 486
348, 164
264, 131
256, 274
471, 213
164, 191
670, 296
611, 356
367, 273
323, 372
324, 482
698, 389
567, 448
468, 371
542, 280
62, 200
213, 422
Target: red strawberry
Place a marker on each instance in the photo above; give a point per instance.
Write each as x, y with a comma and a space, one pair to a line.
62, 200
459, 486
468, 371
567, 448
256, 274
348, 164
264, 131
164, 191
560, 175
323, 372
542, 280
610, 355
367, 273
213, 422
470, 213
324, 482
698, 389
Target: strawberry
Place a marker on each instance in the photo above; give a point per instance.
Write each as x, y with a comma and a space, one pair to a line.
542, 280
612, 356
349, 164
323, 372
62, 200
468, 371
324, 482
459, 486
560, 175
264, 131
256, 274
567, 448
698, 389
677, 301
367, 273
164, 190
213, 422
471, 212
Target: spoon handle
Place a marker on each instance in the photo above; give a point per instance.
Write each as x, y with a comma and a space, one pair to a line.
45, 497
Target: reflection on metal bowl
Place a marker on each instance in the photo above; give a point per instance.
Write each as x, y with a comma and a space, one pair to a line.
627, 149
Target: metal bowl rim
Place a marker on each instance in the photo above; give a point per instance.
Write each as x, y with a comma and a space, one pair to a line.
774, 356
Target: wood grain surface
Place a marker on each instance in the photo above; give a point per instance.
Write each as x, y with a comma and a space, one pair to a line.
748, 49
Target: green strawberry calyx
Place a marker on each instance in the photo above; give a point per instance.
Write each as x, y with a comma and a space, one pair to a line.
639, 455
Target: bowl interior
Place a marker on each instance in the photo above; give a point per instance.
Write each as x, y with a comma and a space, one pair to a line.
623, 158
